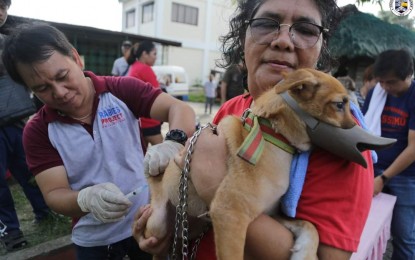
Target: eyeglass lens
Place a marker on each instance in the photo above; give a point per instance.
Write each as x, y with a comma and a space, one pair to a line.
302, 34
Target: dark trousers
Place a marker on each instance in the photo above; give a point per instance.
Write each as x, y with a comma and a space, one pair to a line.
12, 157
115, 251
209, 103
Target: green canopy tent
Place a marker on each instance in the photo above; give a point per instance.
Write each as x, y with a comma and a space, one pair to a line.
360, 37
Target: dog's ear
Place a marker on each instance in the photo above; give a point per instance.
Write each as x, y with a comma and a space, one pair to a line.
301, 82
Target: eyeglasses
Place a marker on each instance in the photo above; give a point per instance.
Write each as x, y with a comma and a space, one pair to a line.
302, 34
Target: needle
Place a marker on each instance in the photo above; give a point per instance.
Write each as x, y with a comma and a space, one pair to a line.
136, 191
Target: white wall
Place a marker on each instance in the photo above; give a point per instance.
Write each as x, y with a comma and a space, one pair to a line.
200, 44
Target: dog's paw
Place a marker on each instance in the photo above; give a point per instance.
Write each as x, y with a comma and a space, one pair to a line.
301, 252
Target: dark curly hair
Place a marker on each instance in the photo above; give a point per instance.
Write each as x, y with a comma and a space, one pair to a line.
233, 41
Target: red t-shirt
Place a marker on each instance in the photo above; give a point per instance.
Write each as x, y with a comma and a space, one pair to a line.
145, 73
336, 196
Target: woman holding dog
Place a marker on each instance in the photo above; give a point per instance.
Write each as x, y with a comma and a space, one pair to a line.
276, 36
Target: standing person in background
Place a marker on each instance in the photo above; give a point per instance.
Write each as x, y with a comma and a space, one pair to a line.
390, 108
369, 82
143, 55
84, 144
120, 67
232, 82
209, 89
12, 157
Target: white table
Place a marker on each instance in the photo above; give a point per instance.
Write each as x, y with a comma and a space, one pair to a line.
376, 232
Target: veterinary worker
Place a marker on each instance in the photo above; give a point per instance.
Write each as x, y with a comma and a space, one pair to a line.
390, 105
276, 36
142, 56
84, 145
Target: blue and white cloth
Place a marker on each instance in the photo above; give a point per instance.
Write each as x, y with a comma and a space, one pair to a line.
299, 165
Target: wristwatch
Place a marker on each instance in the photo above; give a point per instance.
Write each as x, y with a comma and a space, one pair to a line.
177, 135
384, 179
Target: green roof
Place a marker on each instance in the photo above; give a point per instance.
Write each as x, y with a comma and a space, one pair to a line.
361, 34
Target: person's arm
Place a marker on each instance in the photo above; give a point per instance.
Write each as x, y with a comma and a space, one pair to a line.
58, 195
152, 245
177, 113
404, 159
180, 116
105, 200
267, 239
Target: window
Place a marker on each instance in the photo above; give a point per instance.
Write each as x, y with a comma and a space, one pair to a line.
148, 11
184, 14
130, 18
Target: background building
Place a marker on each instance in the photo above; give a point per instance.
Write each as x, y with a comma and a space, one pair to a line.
98, 48
197, 24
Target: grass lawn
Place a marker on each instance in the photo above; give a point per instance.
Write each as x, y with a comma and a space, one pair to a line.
197, 95
50, 229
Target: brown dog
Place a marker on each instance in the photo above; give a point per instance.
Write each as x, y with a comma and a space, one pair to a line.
249, 190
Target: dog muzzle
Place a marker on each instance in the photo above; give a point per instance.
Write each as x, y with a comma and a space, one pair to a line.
346, 143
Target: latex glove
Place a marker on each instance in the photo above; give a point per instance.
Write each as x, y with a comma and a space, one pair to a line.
158, 156
105, 201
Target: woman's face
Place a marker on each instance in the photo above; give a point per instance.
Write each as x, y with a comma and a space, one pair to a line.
58, 81
150, 57
266, 62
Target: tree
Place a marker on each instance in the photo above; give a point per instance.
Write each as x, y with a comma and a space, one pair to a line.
403, 21
387, 16
379, 2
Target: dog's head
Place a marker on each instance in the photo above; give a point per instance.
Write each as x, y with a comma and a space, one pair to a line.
320, 95
317, 93
316, 108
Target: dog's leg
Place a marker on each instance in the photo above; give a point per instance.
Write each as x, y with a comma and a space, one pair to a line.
305, 236
245, 192
230, 224
157, 224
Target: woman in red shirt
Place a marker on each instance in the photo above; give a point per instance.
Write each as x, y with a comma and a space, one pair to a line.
143, 55
275, 36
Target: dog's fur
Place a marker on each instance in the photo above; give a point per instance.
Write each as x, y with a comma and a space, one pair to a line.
247, 190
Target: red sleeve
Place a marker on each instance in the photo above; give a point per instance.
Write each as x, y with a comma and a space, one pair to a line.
235, 106
40, 154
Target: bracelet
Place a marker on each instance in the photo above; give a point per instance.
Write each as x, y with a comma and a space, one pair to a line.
384, 179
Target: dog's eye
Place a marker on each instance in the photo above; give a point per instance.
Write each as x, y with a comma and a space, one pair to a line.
339, 105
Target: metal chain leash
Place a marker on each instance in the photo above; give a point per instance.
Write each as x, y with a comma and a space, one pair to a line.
181, 209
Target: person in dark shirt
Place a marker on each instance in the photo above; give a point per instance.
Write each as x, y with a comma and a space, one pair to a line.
12, 158
232, 83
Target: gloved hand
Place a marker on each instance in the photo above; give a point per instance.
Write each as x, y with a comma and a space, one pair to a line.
158, 156
105, 201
